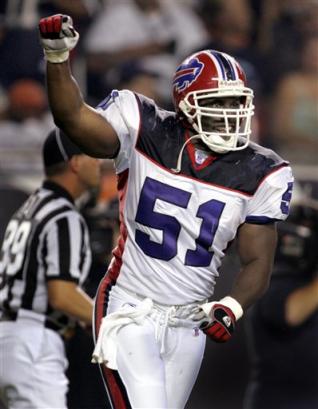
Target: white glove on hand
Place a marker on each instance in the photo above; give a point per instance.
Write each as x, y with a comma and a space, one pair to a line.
58, 37
219, 319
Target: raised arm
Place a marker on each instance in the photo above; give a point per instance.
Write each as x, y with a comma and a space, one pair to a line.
79, 121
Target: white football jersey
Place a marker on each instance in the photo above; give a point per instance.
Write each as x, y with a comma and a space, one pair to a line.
175, 228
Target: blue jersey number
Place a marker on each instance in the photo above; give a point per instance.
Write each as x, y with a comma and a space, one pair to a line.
284, 206
210, 213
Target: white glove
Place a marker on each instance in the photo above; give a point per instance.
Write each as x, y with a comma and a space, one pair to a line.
58, 37
227, 302
221, 318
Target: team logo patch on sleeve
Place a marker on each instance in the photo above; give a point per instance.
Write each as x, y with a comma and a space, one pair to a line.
187, 73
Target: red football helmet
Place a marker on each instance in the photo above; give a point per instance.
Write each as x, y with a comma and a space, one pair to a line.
206, 76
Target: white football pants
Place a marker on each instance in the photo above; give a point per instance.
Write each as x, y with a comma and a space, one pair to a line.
157, 363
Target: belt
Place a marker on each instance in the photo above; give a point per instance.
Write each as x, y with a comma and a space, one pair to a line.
22, 314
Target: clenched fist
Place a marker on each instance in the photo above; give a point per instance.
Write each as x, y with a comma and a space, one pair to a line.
221, 318
58, 37
222, 324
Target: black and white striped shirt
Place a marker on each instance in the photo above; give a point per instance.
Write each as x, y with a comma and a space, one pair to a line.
47, 238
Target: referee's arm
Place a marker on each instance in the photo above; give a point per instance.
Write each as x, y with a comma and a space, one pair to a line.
68, 262
68, 298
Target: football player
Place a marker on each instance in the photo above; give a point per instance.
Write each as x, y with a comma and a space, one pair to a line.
189, 182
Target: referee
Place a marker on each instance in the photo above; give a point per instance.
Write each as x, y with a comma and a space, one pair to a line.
44, 260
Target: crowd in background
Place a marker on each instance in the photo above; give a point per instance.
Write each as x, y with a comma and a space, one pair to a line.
137, 44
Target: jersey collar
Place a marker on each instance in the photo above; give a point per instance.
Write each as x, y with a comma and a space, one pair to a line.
58, 189
191, 152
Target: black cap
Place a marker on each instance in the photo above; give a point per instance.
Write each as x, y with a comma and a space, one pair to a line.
58, 148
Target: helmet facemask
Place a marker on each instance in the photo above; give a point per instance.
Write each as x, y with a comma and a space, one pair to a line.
222, 129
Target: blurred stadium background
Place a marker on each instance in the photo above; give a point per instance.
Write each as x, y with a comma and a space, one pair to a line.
137, 44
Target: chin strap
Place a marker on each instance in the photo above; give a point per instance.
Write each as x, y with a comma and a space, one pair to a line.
179, 161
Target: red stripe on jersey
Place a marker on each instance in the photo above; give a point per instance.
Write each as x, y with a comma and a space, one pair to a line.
101, 303
116, 263
115, 388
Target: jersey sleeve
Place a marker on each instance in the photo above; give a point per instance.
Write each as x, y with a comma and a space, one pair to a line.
66, 253
271, 200
120, 109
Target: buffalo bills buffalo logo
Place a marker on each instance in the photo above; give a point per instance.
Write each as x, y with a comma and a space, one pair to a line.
187, 73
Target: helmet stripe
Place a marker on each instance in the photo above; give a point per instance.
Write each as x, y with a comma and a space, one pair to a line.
220, 69
234, 65
228, 70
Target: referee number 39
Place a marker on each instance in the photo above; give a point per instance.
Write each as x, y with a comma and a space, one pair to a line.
13, 247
